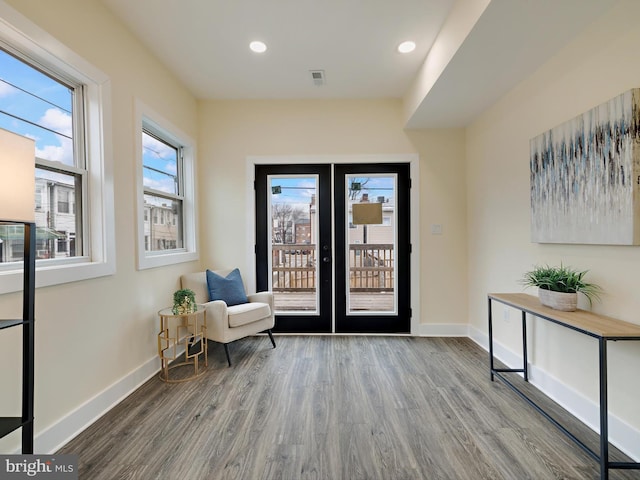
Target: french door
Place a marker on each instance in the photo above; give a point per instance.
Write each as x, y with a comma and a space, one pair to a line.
293, 244
333, 245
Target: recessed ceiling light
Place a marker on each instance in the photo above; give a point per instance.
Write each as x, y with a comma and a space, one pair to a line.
258, 47
407, 47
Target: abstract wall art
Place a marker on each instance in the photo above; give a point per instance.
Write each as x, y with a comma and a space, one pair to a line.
585, 177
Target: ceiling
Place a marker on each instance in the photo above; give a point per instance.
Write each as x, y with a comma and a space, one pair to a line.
205, 43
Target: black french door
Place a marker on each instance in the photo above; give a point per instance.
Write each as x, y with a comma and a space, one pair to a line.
332, 243
293, 244
372, 257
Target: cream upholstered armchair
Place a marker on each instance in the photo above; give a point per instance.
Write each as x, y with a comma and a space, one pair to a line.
226, 323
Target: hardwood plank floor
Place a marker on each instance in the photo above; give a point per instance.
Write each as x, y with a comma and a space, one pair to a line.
333, 407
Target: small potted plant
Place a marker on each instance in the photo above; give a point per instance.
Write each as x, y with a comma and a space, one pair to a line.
558, 287
184, 301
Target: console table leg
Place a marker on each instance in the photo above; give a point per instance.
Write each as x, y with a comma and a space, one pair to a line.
490, 340
525, 360
604, 420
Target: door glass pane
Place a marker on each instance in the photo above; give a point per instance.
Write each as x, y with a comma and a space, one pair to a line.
370, 243
293, 234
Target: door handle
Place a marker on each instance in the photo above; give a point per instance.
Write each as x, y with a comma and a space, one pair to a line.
326, 259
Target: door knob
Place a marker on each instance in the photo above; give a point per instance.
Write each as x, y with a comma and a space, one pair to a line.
326, 259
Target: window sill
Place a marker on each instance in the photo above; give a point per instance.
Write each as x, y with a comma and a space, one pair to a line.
164, 259
11, 280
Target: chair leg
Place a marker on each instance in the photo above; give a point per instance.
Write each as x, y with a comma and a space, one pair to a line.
271, 337
226, 350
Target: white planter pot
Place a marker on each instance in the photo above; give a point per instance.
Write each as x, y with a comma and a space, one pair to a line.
566, 302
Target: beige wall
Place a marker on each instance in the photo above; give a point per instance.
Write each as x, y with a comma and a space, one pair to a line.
91, 334
442, 202
598, 65
231, 131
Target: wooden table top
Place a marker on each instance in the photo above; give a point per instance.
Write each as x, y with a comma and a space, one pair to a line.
583, 320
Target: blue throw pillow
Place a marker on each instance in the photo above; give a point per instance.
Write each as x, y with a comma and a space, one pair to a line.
229, 288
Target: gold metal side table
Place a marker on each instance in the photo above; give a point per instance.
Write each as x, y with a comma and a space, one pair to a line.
188, 330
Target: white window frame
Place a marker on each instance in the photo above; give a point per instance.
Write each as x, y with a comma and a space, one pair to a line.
98, 222
147, 118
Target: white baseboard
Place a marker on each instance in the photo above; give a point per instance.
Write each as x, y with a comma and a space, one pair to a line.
54, 437
621, 434
442, 330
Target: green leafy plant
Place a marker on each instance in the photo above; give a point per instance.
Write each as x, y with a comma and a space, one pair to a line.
184, 301
561, 279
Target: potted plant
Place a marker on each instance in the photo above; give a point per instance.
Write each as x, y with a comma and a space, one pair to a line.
184, 301
558, 287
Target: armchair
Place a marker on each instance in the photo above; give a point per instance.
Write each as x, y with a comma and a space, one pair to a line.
226, 324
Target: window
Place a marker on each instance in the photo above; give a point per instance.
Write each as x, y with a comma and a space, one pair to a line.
163, 190
39, 191
59, 100
166, 193
62, 244
63, 206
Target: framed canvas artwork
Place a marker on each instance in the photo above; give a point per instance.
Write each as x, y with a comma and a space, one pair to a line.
585, 177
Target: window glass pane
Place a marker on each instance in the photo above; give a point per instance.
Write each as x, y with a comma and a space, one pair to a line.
160, 165
162, 223
37, 106
56, 220
293, 232
56, 217
371, 244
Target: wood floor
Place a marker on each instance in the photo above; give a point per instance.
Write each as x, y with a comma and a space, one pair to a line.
334, 408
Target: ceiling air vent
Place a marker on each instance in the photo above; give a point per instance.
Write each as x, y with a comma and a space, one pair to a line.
318, 77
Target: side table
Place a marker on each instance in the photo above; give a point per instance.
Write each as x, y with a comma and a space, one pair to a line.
184, 329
